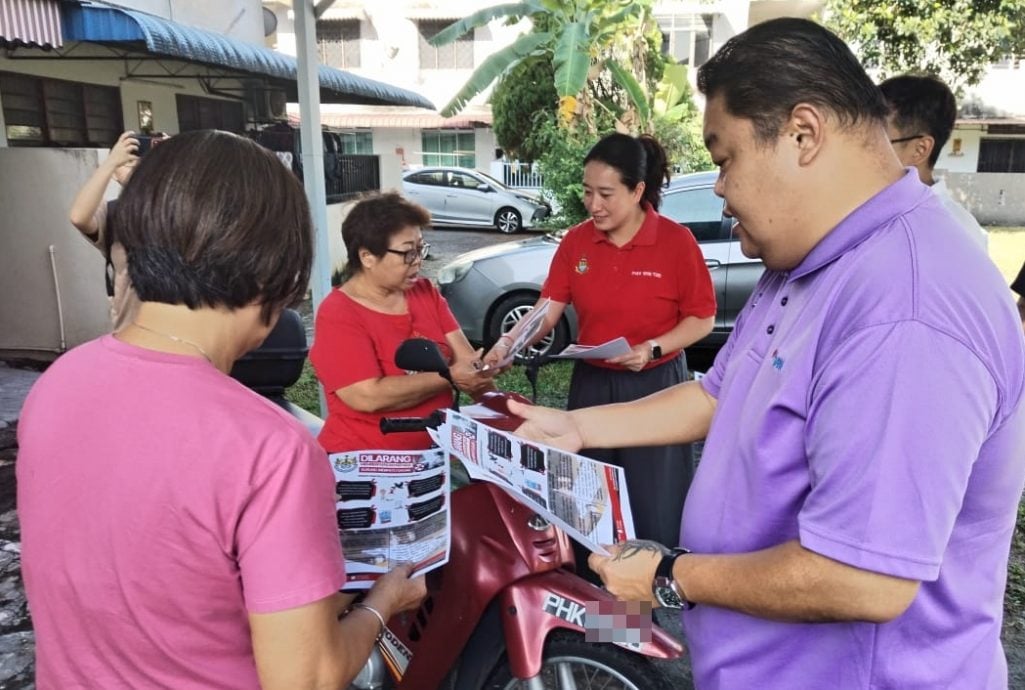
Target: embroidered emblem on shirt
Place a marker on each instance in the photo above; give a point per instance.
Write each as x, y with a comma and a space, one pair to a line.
777, 361
582, 265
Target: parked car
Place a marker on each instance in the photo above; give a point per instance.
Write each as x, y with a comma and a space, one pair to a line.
490, 289
464, 197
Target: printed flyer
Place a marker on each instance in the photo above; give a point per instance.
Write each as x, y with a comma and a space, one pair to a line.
586, 498
392, 507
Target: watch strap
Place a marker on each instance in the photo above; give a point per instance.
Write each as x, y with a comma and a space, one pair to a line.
664, 574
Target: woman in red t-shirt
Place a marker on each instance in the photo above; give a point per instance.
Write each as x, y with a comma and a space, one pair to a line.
631, 272
382, 302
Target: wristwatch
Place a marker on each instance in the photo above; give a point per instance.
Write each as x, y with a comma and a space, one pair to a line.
656, 349
667, 592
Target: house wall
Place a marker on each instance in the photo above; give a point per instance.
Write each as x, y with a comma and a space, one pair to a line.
389, 47
968, 160
993, 198
238, 19
36, 198
160, 93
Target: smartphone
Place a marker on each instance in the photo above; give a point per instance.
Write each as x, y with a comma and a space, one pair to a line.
147, 141
145, 144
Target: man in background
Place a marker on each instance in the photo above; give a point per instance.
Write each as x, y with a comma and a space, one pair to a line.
921, 118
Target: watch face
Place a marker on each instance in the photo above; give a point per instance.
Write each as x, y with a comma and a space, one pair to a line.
666, 594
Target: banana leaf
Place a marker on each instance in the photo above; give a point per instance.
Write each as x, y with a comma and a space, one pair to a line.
494, 66
572, 59
633, 90
512, 10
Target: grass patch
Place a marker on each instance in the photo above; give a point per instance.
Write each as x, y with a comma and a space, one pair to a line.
306, 392
552, 386
552, 383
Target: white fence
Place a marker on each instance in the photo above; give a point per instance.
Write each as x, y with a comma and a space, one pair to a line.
516, 174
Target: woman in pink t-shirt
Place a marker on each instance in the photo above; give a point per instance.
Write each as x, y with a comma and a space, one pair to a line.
179, 530
383, 301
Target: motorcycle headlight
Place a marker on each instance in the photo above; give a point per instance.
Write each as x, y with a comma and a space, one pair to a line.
454, 272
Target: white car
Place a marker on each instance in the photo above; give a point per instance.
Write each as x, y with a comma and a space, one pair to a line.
464, 197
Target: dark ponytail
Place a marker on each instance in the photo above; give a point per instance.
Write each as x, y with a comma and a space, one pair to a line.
637, 160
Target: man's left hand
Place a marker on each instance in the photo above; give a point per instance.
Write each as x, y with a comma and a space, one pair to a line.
636, 359
629, 570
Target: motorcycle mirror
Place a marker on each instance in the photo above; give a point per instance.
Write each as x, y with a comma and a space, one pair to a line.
420, 354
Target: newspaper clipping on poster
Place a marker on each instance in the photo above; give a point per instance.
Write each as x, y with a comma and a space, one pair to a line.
586, 498
392, 508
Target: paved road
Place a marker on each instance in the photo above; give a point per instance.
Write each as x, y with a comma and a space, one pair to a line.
448, 243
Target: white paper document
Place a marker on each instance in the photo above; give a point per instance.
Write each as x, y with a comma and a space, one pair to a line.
586, 498
392, 508
613, 348
523, 332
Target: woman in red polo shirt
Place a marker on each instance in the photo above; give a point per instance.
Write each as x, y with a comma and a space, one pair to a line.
383, 301
631, 272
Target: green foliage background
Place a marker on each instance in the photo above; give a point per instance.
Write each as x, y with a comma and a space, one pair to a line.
954, 39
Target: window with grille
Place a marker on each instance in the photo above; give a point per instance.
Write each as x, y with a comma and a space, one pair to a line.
358, 143
338, 43
196, 112
1002, 155
52, 112
449, 147
455, 55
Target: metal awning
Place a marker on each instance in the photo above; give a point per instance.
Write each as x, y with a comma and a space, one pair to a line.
97, 23
33, 23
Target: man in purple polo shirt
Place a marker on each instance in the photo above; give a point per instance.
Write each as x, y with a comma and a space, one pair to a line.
851, 517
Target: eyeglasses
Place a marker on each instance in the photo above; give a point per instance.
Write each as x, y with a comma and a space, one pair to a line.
903, 139
411, 256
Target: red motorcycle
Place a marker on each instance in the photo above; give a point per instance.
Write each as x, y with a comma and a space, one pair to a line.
507, 611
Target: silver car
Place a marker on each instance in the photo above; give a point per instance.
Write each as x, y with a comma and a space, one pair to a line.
490, 289
464, 197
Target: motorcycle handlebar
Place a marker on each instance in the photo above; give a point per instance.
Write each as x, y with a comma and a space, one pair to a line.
391, 425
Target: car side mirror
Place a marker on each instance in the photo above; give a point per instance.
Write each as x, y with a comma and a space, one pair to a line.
483, 187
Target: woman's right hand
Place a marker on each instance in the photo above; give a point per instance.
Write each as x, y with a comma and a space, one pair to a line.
125, 150
498, 352
395, 591
471, 379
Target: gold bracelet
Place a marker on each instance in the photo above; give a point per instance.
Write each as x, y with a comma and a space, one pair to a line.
380, 618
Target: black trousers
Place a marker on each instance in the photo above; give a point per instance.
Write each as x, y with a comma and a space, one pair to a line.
657, 477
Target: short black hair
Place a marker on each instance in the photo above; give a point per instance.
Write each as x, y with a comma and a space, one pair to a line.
637, 160
372, 223
211, 219
922, 104
765, 71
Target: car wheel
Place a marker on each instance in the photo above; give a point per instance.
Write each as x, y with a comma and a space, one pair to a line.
508, 220
515, 307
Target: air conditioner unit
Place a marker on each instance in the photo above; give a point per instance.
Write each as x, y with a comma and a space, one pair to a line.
266, 104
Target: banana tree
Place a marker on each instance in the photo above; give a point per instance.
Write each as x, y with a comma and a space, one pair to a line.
578, 36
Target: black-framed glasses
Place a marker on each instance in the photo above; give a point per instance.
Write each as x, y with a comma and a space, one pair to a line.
901, 140
411, 256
